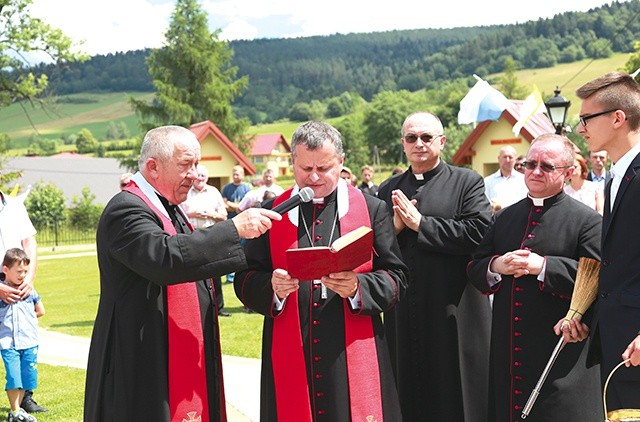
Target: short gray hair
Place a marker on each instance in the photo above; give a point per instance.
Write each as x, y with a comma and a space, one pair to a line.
314, 134
159, 143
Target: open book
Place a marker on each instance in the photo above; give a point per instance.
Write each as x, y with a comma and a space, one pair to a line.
346, 253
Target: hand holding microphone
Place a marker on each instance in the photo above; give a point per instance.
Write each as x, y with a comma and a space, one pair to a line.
304, 195
253, 222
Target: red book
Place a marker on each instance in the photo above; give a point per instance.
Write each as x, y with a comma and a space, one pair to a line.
345, 254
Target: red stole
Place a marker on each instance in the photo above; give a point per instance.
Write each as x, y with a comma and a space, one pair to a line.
187, 381
287, 353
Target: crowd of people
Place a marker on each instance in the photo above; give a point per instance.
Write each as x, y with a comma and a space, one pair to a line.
452, 317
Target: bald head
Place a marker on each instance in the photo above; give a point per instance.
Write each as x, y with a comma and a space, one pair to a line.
507, 159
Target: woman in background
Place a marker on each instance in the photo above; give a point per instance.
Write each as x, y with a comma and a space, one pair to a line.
583, 190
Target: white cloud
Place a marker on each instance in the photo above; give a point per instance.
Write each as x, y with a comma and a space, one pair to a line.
123, 25
107, 26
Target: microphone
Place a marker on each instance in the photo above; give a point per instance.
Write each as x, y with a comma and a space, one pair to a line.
304, 195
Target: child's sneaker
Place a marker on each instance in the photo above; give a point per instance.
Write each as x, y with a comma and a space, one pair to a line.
22, 416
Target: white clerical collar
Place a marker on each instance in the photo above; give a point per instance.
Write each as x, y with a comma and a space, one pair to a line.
539, 202
318, 201
342, 198
150, 192
418, 176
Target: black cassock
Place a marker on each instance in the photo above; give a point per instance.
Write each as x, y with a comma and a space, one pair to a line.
322, 320
128, 358
526, 309
439, 335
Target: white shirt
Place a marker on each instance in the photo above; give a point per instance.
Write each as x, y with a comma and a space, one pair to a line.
208, 199
505, 190
254, 196
619, 170
15, 224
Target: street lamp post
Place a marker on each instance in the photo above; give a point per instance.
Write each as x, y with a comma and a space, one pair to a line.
557, 107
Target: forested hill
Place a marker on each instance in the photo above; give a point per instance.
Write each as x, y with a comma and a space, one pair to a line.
283, 72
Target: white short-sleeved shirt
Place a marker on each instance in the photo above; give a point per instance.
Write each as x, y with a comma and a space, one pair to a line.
15, 224
505, 190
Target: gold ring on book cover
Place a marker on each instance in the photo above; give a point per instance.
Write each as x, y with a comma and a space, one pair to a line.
618, 415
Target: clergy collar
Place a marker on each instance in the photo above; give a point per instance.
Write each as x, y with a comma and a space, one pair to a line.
340, 194
546, 201
427, 174
150, 192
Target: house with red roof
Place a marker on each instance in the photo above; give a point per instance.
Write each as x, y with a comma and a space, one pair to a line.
271, 150
218, 154
481, 148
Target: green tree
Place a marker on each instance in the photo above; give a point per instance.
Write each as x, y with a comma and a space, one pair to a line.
509, 84
112, 132
633, 62
19, 34
300, 112
356, 149
84, 214
193, 77
42, 146
5, 143
383, 121
46, 206
86, 143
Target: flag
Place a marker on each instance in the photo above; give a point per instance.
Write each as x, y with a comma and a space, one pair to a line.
482, 102
532, 105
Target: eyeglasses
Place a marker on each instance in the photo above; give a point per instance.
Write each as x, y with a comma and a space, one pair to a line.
546, 167
584, 119
426, 138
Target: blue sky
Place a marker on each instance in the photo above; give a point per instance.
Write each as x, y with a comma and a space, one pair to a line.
123, 25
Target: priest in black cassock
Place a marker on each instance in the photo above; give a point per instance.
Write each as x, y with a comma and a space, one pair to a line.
155, 352
528, 260
438, 335
323, 352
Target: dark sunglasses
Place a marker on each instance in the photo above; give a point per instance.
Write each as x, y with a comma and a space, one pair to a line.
584, 119
426, 138
546, 167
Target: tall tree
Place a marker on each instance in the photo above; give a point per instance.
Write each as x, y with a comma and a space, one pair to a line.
193, 77
511, 88
21, 35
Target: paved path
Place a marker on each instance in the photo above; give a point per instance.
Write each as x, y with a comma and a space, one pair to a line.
241, 375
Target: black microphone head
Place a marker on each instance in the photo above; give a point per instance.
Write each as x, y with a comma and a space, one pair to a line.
306, 194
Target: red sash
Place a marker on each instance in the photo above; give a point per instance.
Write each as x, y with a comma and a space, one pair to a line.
188, 397
287, 353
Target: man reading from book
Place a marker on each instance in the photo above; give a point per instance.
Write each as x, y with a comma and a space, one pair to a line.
323, 352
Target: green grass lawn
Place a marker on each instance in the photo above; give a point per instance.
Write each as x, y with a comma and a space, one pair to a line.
60, 389
70, 290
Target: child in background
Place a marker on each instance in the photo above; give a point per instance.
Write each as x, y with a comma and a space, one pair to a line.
19, 335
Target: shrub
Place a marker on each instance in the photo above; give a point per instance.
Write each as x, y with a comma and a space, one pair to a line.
46, 206
84, 214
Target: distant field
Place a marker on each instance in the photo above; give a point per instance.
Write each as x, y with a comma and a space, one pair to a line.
71, 114
95, 111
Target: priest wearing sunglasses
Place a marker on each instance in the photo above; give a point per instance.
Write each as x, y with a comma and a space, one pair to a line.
439, 334
528, 260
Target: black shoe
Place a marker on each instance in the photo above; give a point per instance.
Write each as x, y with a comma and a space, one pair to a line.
30, 406
223, 313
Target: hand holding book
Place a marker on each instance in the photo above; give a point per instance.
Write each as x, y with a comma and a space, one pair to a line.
345, 254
